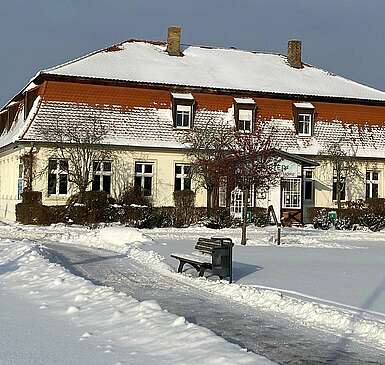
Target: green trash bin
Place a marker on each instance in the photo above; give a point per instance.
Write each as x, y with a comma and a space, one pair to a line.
249, 216
332, 215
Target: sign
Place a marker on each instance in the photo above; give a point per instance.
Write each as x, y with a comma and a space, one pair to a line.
288, 168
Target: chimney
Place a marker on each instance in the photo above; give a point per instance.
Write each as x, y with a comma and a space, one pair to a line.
173, 41
294, 56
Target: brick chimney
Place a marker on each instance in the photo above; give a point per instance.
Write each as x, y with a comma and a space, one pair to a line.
294, 53
173, 41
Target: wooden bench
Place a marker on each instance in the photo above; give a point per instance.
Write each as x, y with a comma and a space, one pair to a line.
213, 254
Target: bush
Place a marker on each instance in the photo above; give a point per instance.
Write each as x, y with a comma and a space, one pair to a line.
32, 197
32, 214
321, 219
260, 217
373, 216
133, 196
184, 201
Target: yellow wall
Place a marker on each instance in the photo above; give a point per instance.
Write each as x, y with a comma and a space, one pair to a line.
123, 165
9, 173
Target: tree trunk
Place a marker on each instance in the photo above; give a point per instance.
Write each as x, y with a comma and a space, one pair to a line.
208, 202
244, 214
339, 191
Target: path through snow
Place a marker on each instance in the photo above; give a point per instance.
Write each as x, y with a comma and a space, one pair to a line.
280, 340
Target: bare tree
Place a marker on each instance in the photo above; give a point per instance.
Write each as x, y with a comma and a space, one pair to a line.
80, 144
255, 166
342, 157
208, 149
247, 160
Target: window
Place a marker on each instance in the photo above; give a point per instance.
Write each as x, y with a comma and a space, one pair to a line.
182, 177
183, 107
372, 184
308, 185
101, 171
20, 181
245, 118
291, 193
57, 177
342, 187
304, 124
183, 116
143, 177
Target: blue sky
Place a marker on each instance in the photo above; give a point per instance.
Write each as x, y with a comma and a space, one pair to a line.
343, 36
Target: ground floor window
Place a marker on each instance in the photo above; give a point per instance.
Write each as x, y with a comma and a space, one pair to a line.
342, 188
291, 193
20, 181
101, 172
182, 177
57, 177
236, 206
372, 184
144, 176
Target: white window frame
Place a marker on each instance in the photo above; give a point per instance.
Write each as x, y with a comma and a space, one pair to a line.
343, 192
291, 193
371, 181
58, 172
142, 174
243, 119
182, 176
101, 173
183, 110
302, 123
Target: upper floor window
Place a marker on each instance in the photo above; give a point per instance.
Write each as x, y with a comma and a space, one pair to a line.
244, 111
183, 116
57, 177
101, 179
372, 182
183, 110
182, 177
144, 172
245, 120
304, 124
304, 118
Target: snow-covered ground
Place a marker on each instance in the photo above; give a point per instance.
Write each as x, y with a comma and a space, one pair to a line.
331, 280
49, 316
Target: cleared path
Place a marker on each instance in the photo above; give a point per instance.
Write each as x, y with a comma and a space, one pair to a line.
275, 338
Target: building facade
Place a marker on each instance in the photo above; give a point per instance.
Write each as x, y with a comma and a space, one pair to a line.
149, 94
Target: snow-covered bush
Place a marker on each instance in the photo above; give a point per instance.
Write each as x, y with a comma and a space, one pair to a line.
344, 223
373, 216
321, 219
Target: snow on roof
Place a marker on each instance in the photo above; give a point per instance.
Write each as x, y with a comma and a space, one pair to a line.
187, 96
140, 61
244, 100
304, 105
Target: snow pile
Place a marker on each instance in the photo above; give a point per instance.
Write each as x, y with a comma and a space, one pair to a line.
344, 321
115, 323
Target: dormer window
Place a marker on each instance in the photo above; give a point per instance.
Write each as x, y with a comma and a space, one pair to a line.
245, 120
183, 116
183, 110
305, 124
304, 119
244, 112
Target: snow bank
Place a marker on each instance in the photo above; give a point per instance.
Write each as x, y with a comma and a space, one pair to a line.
358, 325
138, 332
